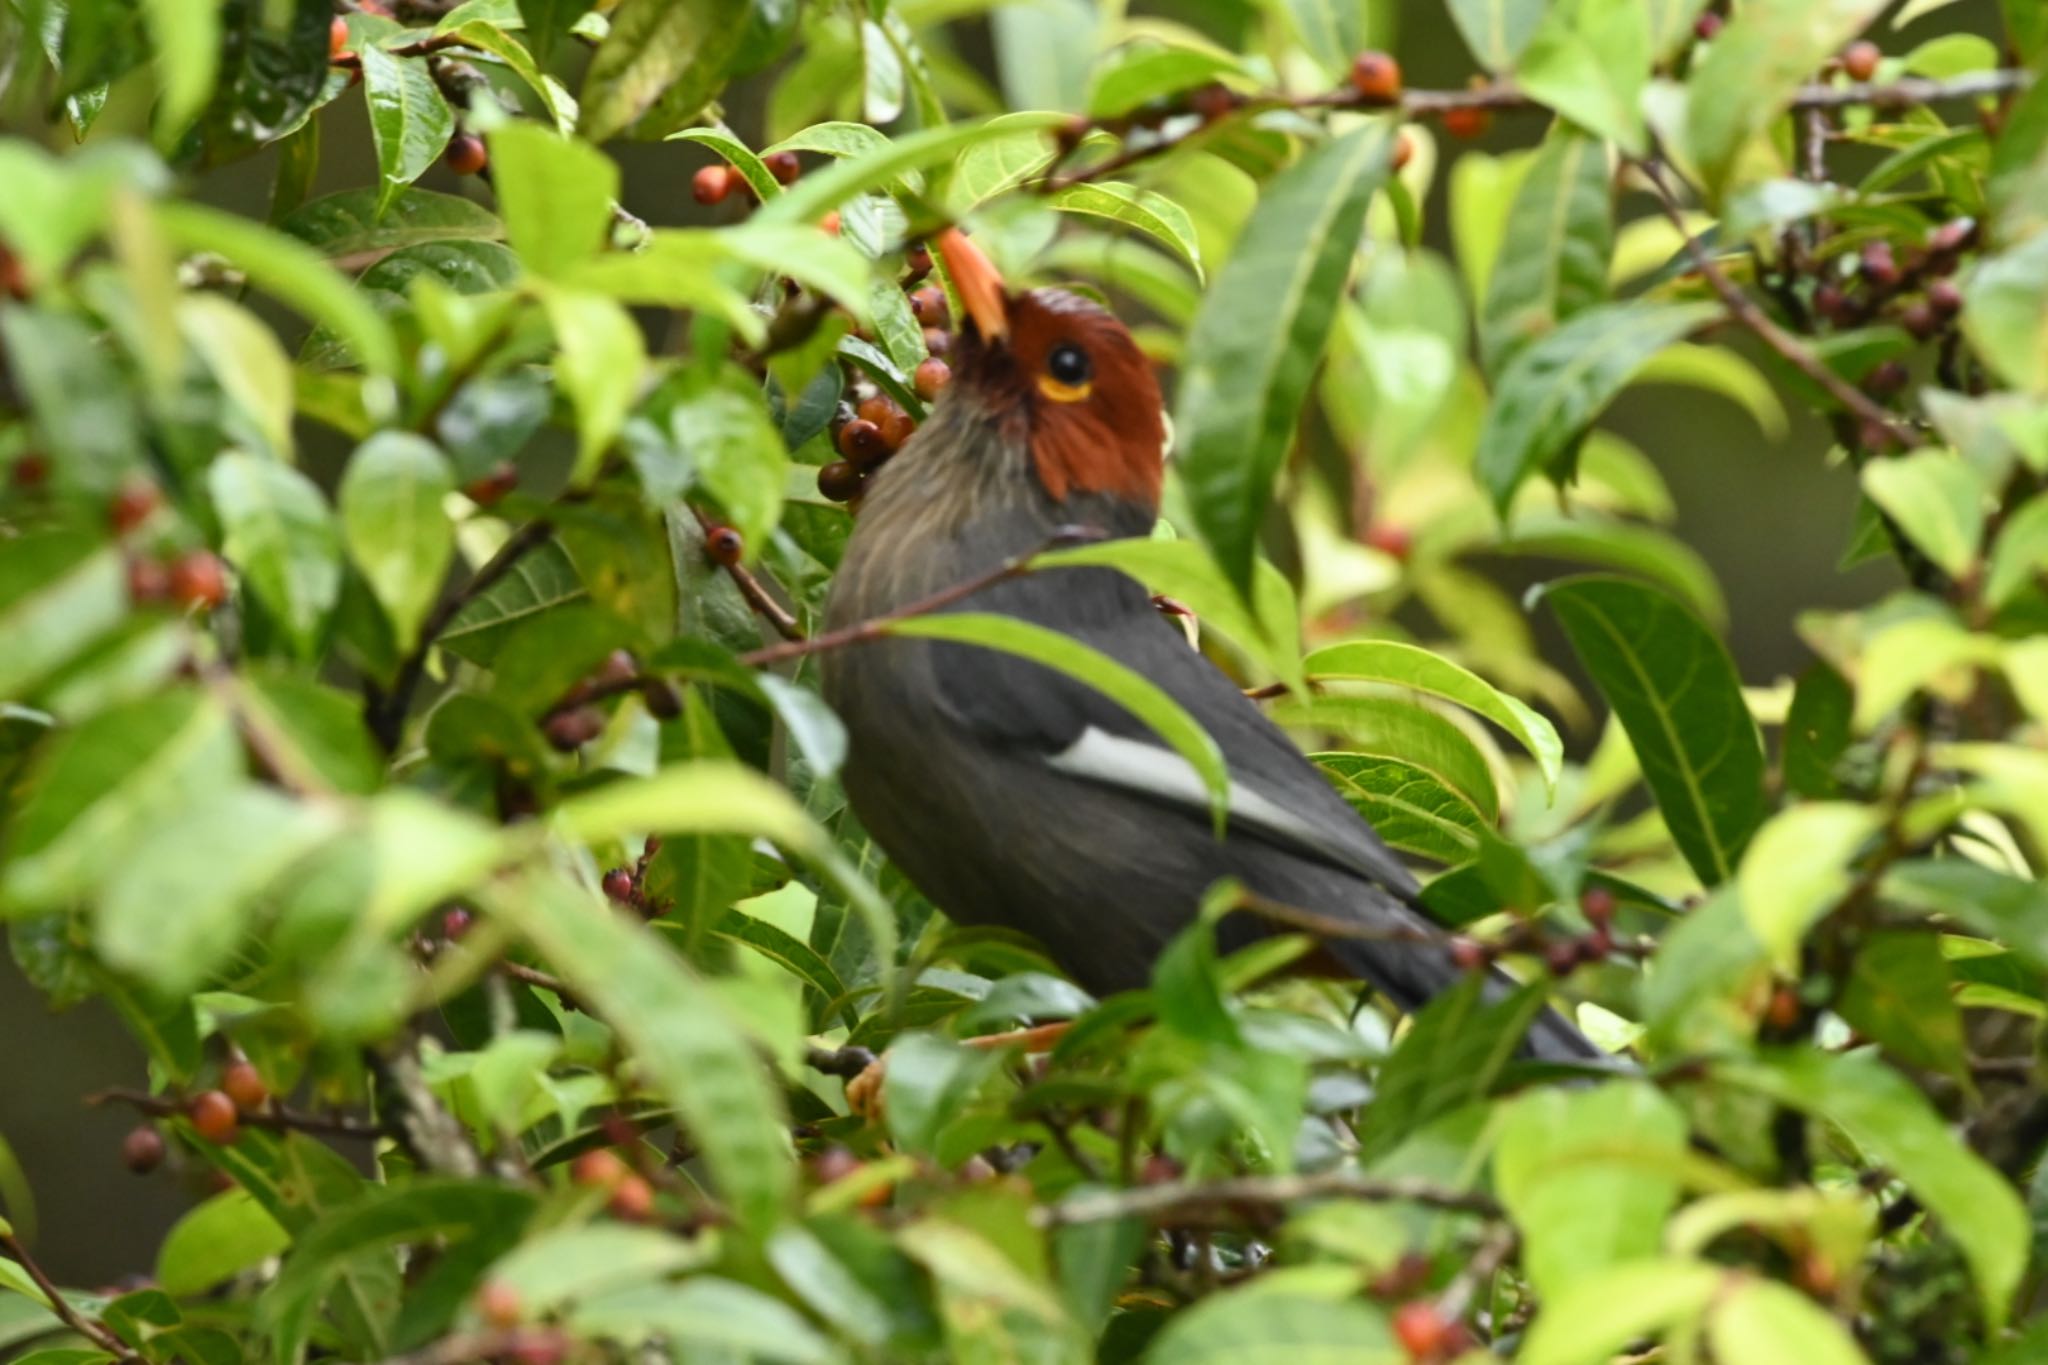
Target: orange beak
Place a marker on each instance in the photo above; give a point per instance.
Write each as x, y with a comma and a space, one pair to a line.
979, 286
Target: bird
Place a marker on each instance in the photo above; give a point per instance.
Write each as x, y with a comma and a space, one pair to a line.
1011, 794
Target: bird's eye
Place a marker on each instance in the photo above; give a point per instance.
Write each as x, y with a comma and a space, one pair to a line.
1069, 364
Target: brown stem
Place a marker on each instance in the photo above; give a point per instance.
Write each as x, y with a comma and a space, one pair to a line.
90, 1328
765, 606
387, 718
276, 1117
1167, 1202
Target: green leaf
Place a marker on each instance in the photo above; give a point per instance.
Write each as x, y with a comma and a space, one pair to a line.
394, 526
542, 580
724, 427
1816, 733
179, 900
1601, 1314
1797, 868
871, 161
1410, 807
1560, 233
738, 156
1454, 1050
1554, 388
410, 123
221, 1238
289, 270
1606, 542
705, 1314
556, 195
1763, 1320
1405, 665
1753, 67
2012, 910
1936, 500
1131, 76
349, 224
1062, 653
1254, 1324
602, 357
1394, 728
101, 785
283, 537
83, 411
2018, 557
1497, 30
188, 38
59, 592
486, 37
1675, 691
1153, 214
1899, 994
673, 52
1900, 1132
1589, 1177
1590, 61
1260, 332
247, 362
687, 1048
571, 1262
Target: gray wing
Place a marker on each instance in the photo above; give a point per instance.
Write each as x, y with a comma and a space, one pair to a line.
1277, 795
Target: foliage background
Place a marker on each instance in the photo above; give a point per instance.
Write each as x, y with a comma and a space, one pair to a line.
1760, 507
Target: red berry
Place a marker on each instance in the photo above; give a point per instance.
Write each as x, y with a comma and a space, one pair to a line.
1562, 956
598, 1169
30, 471
1469, 954
931, 376
1467, 121
1213, 101
148, 581
861, 442
1952, 236
917, 262
455, 923
1597, 945
618, 885
244, 1085
1422, 1330
142, 1151
784, 166
198, 579
1160, 1169
928, 306
498, 1304
132, 504
1879, 266
725, 545
1404, 152
886, 413
711, 184
1920, 319
618, 667
632, 1200
829, 224
1598, 903
337, 37
839, 481
214, 1117
1832, 304
1860, 60
466, 154
938, 341
1376, 77
492, 487
1397, 542
1708, 26
1944, 298
834, 1163
570, 730
1783, 1011
1886, 379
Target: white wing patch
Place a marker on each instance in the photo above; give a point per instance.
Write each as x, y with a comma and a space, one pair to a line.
1163, 775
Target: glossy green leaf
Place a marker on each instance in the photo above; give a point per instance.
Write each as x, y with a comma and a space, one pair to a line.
1560, 233
1405, 665
1128, 689
1900, 1132
410, 122
555, 194
1497, 30
871, 162
228, 1234
1409, 806
660, 55
1816, 733
1452, 1054
1388, 727
1936, 500
348, 223
539, 582
282, 536
1675, 691
1152, 214
1260, 332
737, 155
1555, 387
394, 526
1134, 76
487, 37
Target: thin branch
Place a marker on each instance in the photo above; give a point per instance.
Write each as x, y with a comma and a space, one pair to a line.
387, 719
765, 606
275, 1117
91, 1329
1164, 1203
1746, 311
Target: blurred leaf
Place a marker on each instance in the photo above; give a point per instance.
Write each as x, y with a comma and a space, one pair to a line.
1408, 805
671, 51
2010, 909
930, 1081
543, 579
83, 413
1453, 1052
1152, 214
1816, 733
1560, 233
555, 194
1675, 691
1936, 500
1135, 693
104, 783
1897, 1129
1497, 30
392, 522
1260, 332
705, 1314
1254, 1324
281, 534
1554, 388
1131, 76
602, 356
223, 1237
1405, 665
1898, 994
1589, 1176
291, 271
1763, 1320
1752, 68
409, 121
736, 153
1662, 558
2018, 557
246, 361
177, 904
1590, 61
548, 22
348, 223
1797, 868
1601, 1314
59, 592
187, 35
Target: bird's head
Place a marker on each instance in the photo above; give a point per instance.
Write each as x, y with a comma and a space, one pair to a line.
1065, 370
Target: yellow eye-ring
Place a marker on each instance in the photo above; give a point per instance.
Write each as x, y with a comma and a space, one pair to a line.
1064, 393
1068, 374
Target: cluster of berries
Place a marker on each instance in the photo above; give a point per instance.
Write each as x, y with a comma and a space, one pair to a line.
1560, 955
215, 1115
